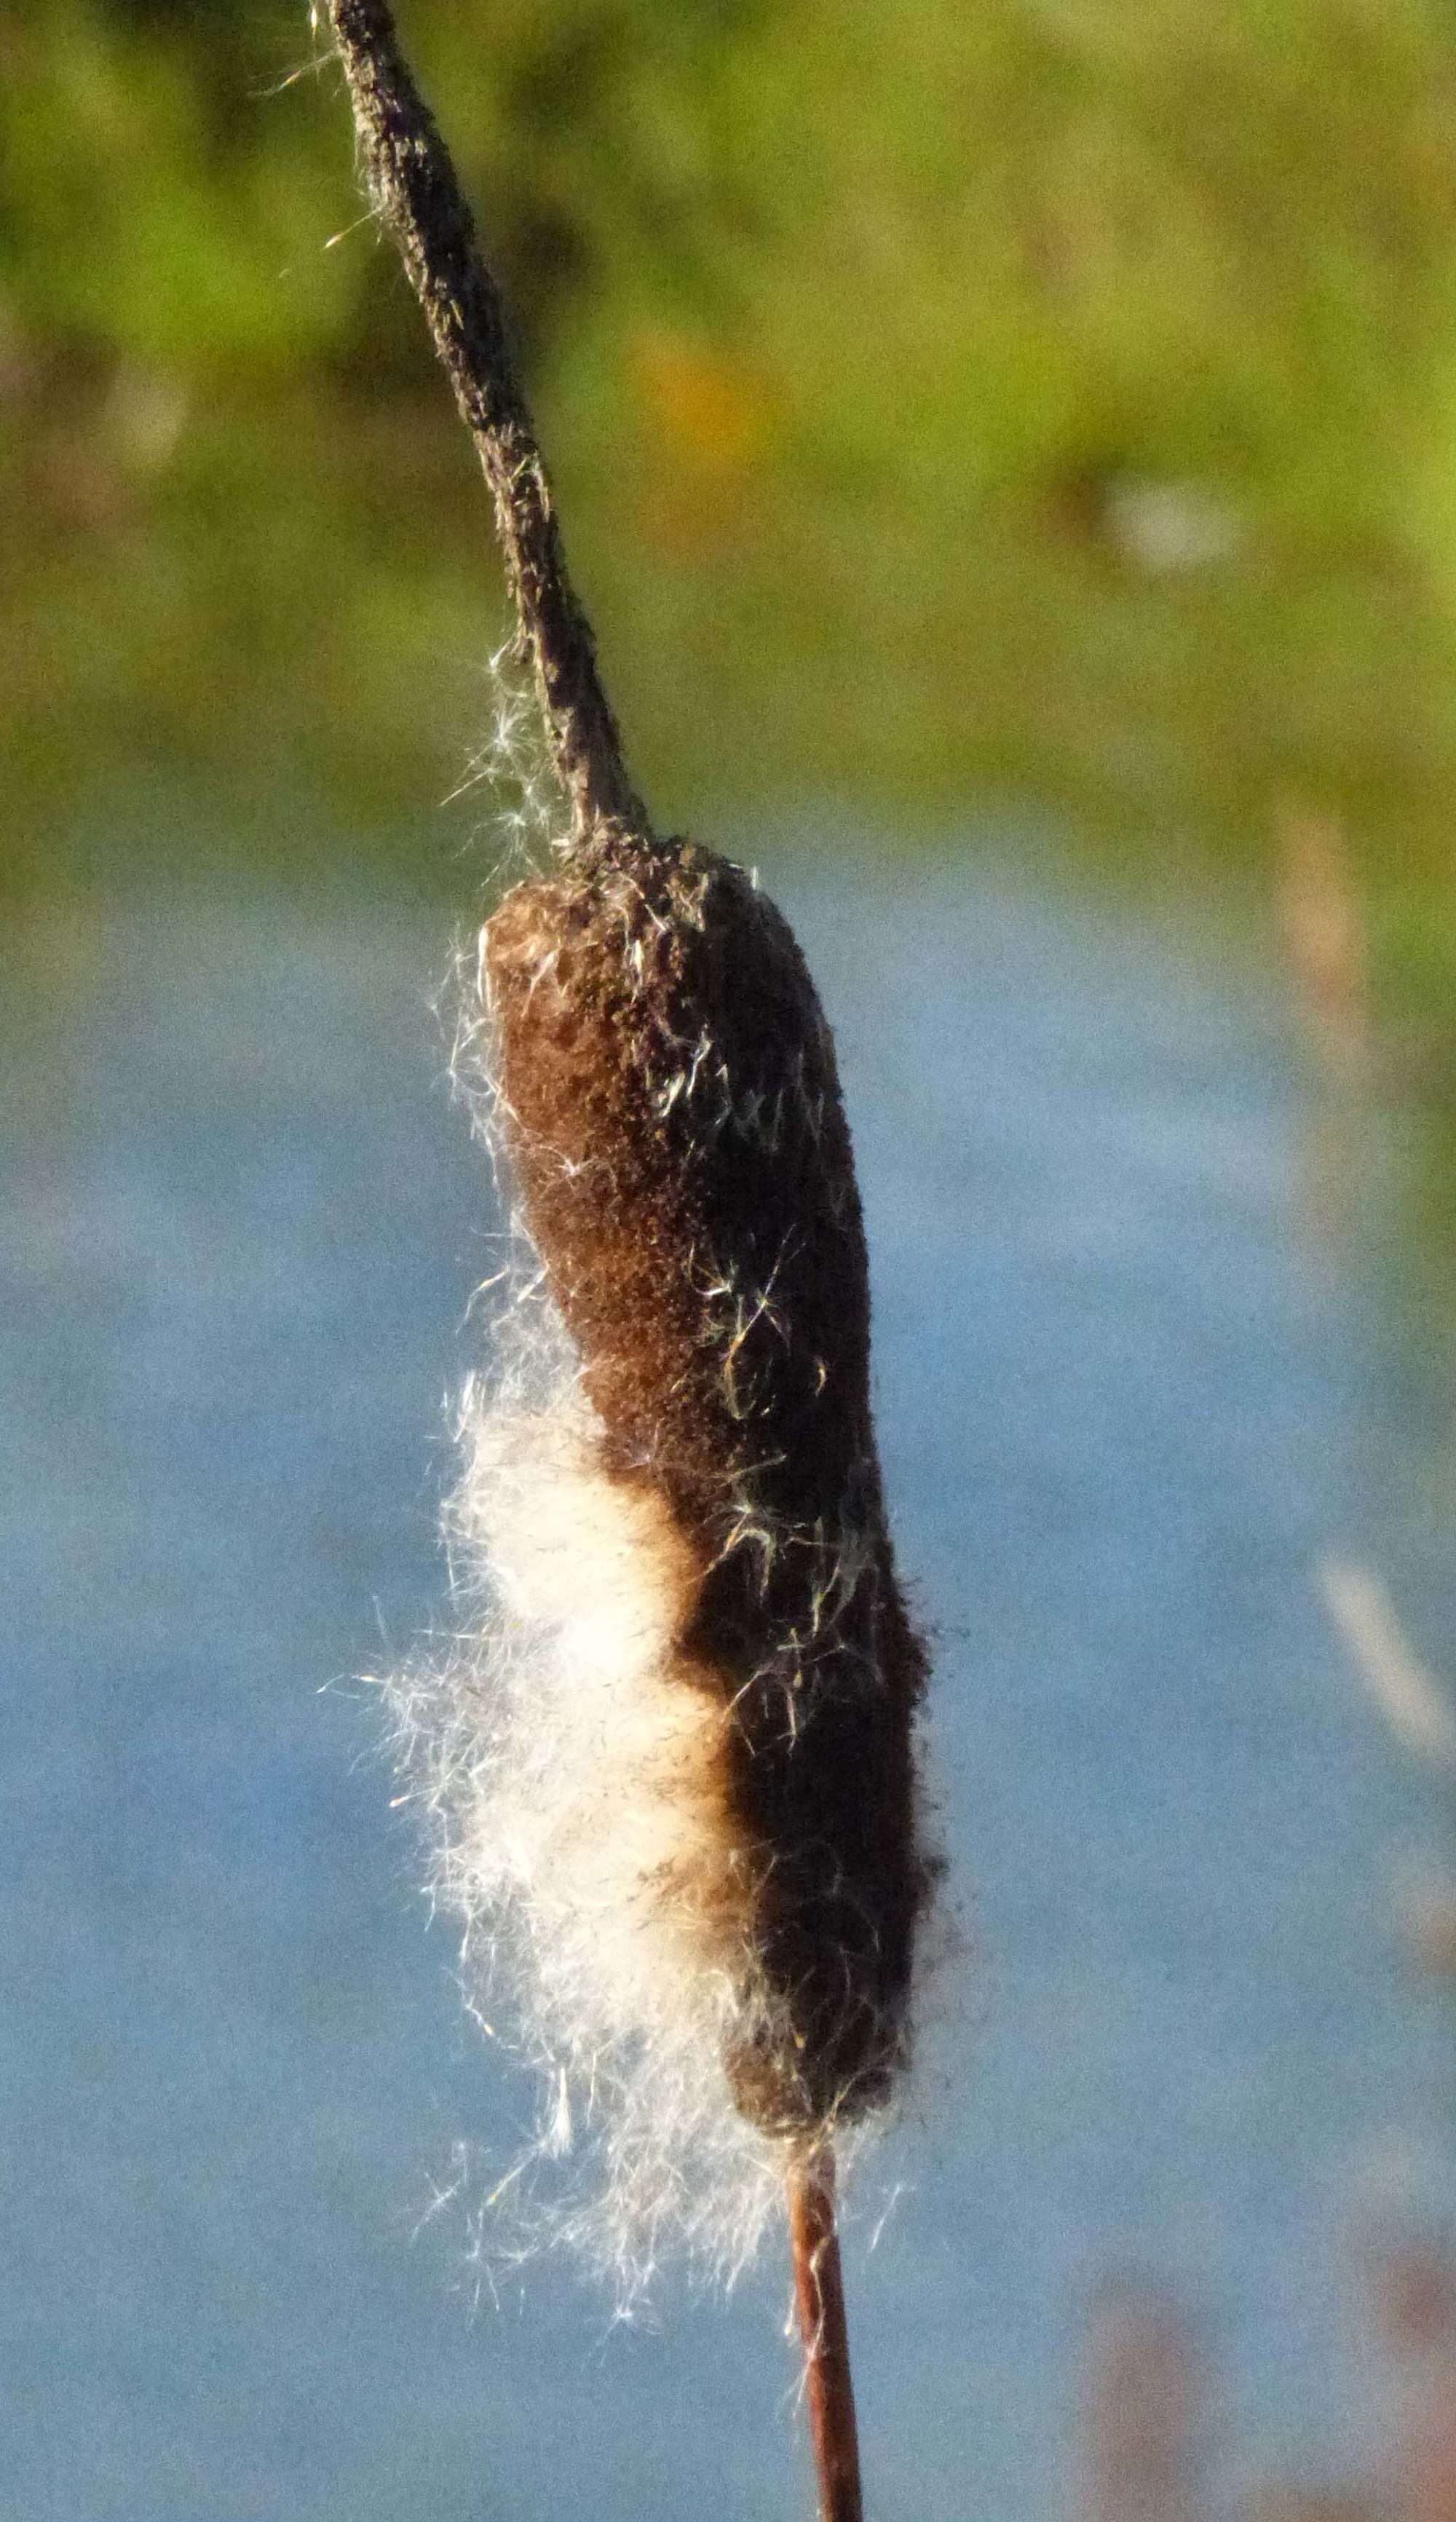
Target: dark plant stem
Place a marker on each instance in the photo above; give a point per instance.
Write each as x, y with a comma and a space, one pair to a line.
416, 192
818, 2290
414, 187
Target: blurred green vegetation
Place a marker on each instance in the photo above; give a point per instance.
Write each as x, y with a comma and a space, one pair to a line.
1051, 402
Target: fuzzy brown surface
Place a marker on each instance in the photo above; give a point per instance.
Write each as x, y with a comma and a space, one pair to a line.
675, 1123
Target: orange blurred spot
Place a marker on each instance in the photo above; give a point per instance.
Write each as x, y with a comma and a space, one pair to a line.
706, 407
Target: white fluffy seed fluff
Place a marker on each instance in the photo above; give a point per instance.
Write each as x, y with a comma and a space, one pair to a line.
572, 1780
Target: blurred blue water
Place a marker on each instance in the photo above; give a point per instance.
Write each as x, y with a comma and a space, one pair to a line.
1128, 1395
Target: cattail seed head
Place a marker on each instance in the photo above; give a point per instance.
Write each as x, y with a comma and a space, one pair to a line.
674, 1122
669, 1761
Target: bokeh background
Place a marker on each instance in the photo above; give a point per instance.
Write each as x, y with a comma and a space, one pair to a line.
1009, 454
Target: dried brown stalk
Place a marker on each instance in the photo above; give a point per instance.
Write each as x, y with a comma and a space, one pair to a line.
672, 1096
819, 2291
413, 183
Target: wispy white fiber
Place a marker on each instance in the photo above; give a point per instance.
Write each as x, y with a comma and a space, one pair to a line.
572, 1781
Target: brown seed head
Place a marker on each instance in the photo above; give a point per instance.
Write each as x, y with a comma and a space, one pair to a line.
675, 1122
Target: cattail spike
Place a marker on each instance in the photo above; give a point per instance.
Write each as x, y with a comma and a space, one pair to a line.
413, 186
675, 1124
672, 1767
